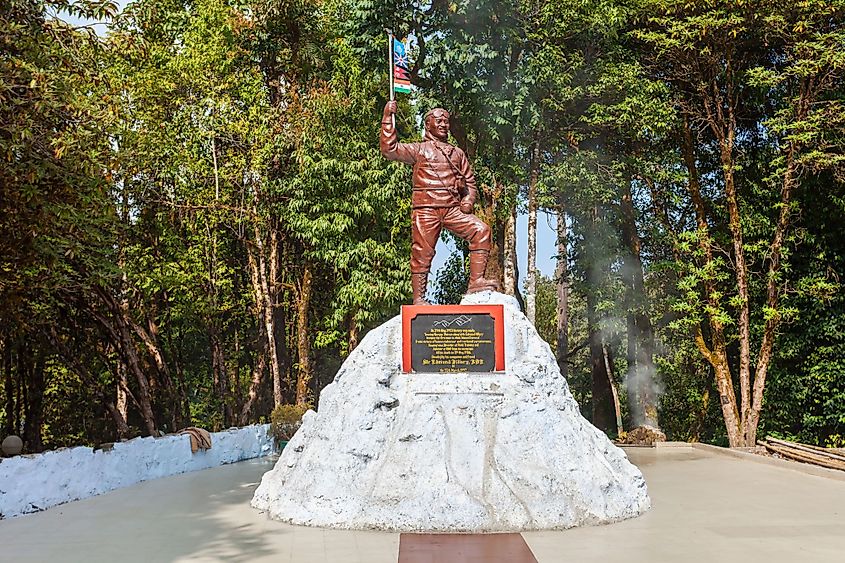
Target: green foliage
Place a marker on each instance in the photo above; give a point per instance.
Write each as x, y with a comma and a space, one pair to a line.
546, 314
54, 115
805, 397
169, 187
158, 167
285, 420
348, 206
450, 284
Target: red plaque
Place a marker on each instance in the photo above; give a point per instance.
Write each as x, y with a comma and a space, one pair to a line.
453, 338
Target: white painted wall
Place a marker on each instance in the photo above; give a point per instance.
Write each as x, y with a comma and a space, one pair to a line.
30, 483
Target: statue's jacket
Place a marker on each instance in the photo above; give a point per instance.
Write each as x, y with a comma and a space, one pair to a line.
437, 182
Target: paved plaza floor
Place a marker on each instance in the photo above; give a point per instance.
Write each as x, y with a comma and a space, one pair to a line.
707, 506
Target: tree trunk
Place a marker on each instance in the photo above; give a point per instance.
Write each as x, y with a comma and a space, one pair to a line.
280, 344
562, 285
20, 401
353, 333
178, 348
773, 291
9, 386
720, 103
121, 336
531, 274
261, 288
603, 410
617, 408
235, 387
716, 354
640, 380
741, 270
121, 403
35, 403
119, 410
71, 360
602, 402
303, 340
509, 277
149, 336
258, 370
123, 430
120, 330
284, 328
134, 364
718, 359
220, 376
219, 367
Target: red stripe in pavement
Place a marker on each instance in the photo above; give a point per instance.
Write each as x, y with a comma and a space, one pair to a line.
464, 548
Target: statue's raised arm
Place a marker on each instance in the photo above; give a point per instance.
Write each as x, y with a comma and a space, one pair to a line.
391, 148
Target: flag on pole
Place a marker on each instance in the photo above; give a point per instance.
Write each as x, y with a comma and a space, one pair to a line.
401, 68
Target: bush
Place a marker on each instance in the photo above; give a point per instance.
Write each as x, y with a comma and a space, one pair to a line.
285, 420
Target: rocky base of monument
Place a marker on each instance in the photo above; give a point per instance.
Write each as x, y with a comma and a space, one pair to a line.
470, 452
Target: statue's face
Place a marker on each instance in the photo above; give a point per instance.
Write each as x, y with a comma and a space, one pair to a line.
437, 124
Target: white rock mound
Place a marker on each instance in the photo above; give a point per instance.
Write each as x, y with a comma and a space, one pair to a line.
451, 452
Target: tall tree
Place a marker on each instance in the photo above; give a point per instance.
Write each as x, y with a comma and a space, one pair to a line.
718, 57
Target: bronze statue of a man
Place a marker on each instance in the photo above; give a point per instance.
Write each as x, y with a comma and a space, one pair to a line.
444, 194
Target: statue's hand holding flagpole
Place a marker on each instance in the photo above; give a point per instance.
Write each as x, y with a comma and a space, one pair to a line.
390, 108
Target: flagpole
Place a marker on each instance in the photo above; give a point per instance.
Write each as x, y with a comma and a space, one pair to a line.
390, 60
390, 71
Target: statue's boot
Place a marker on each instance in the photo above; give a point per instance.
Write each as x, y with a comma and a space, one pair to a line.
419, 284
477, 265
